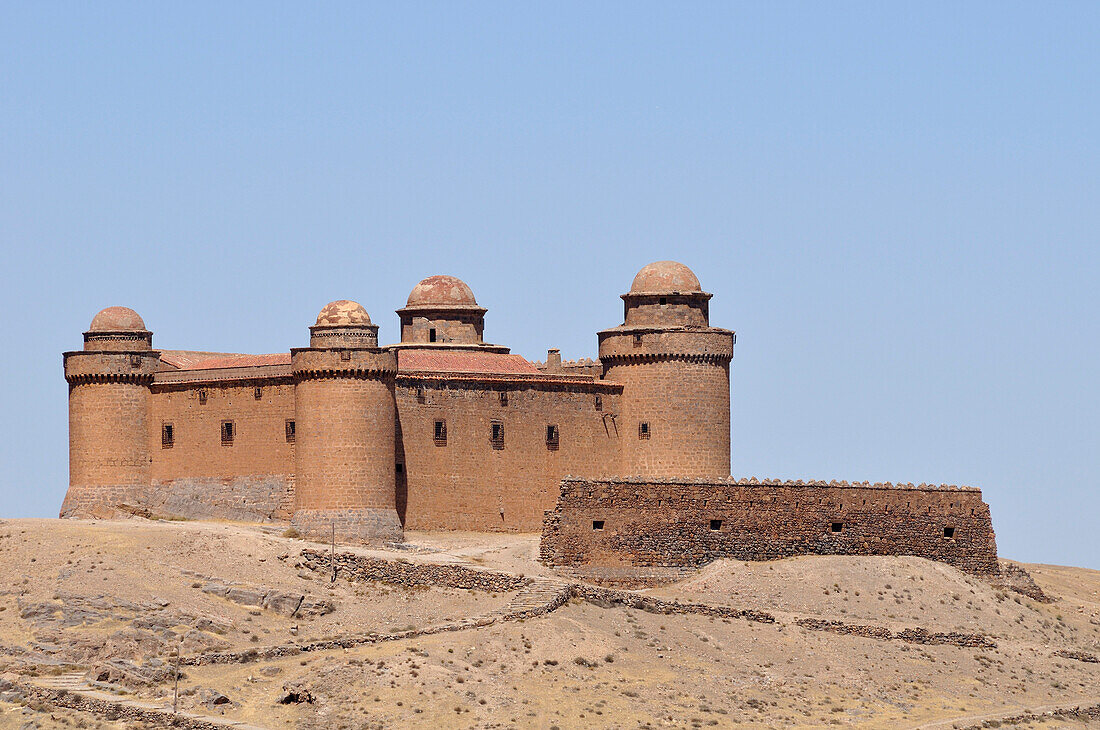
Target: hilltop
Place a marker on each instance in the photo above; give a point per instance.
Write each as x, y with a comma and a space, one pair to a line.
468, 630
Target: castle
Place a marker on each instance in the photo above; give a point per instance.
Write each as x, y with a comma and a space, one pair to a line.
620, 462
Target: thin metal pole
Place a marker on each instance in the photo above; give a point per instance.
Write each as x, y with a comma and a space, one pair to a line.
332, 554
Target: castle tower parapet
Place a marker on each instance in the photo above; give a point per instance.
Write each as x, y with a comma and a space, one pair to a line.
109, 394
345, 422
674, 368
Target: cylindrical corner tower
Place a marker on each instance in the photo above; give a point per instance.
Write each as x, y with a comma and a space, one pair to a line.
674, 367
345, 418
108, 415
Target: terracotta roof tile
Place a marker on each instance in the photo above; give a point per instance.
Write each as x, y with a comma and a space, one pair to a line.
463, 362
191, 360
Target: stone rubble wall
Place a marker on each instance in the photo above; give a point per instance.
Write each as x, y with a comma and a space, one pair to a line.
645, 524
413, 575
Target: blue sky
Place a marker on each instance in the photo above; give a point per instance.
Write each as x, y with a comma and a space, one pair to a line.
896, 206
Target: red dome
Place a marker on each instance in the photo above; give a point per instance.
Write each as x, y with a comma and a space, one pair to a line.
665, 277
441, 290
117, 319
343, 312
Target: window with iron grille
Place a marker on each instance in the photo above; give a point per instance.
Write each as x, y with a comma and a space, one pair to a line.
440, 433
497, 435
552, 437
228, 433
289, 431
167, 435
643, 430
202, 396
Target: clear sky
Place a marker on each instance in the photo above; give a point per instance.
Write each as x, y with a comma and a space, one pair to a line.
896, 205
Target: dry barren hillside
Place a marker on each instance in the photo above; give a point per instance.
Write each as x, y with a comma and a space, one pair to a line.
464, 630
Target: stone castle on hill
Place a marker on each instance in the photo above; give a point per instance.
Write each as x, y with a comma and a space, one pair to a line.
623, 463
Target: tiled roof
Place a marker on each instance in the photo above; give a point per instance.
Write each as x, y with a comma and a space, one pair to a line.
191, 360
463, 362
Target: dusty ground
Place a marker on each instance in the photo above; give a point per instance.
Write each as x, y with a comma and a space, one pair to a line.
74, 595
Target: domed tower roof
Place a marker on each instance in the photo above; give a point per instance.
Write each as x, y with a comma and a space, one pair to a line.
441, 291
117, 319
666, 277
666, 294
343, 323
117, 329
343, 312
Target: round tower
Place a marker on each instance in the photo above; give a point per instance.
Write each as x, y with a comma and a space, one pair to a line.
674, 367
109, 384
345, 418
441, 310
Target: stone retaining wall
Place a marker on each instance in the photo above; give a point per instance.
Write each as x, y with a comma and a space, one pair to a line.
625, 523
361, 567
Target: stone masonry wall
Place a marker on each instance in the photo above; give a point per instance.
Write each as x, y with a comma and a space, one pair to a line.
466, 483
676, 523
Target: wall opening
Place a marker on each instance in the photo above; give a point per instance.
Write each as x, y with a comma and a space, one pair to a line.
599, 402
836, 527
643, 430
431, 335
167, 435
715, 525
552, 437
663, 301
258, 393
637, 340
399, 467
229, 432
949, 532
289, 431
504, 397
496, 435
440, 433
202, 396
597, 524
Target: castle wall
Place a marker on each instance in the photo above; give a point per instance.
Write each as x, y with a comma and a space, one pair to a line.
468, 484
199, 475
647, 524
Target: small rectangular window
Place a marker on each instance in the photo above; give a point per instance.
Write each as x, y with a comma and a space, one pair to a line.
345, 354
440, 433
837, 527
202, 396
167, 435
420, 394
289, 431
637, 340
599, 402
228, 433
949, 532
431, 335
643, 430
135, 361
597, 524
257, 393
663, 301
715, 525
497, 435
552, 437
399, 467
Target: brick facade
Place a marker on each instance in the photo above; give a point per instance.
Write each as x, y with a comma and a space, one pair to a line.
443, 431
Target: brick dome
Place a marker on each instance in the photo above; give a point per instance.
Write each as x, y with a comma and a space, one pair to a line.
665, 277
343, 312
117, 319
441, 290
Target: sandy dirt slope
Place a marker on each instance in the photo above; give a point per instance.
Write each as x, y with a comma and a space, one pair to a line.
77, 596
